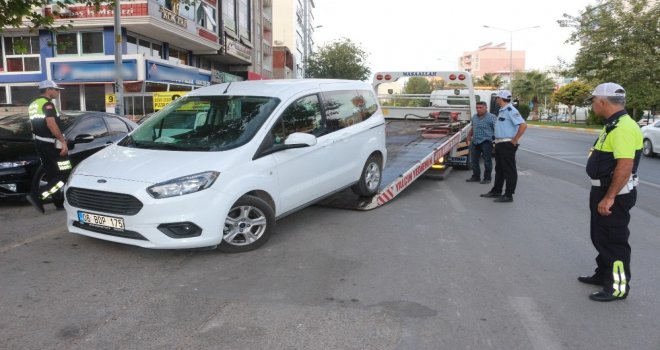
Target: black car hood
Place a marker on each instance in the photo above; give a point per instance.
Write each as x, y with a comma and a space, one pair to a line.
17, 150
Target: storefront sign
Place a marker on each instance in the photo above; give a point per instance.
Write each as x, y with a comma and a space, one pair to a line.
127, 10
163, 73
236, 49
92, 71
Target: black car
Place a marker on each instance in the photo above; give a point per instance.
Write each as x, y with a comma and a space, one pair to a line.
86, 134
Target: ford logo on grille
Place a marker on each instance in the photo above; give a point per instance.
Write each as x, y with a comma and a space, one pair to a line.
102, 181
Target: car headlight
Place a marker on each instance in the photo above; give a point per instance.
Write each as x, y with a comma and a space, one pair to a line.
183, 185
7, 165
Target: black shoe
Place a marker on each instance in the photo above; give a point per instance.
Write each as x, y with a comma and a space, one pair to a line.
490, 195
472, 179
35, 203
591, 280
602, 296
485, 181
504, 199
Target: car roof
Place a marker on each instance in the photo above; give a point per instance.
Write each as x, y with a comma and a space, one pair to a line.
280, 88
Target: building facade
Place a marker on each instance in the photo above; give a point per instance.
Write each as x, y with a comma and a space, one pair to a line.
294, 29
495, 59
166, 46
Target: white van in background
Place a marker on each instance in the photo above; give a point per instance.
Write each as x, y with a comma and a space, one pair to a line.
218, 166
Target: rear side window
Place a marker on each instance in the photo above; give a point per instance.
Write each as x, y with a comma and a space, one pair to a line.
91, 125
303, 115
116, 126
369, 105
342, 109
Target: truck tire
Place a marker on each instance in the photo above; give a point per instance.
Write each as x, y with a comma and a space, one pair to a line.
370, 178
248, 225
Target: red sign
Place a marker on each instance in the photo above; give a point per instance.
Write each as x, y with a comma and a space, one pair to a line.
207, 35
127, 10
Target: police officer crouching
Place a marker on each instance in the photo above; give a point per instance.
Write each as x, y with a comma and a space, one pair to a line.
51, 146
612, 167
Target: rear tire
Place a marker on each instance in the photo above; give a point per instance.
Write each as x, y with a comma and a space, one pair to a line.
369, 182
647, 150
248, 225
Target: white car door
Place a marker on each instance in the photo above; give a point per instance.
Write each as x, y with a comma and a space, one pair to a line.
654, 136
304, 173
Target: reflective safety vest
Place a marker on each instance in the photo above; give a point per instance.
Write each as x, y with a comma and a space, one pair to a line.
38, 118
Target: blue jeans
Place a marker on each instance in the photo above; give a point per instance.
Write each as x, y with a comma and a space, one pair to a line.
485, 150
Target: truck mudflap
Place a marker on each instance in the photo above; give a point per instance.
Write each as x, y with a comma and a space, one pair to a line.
409, 157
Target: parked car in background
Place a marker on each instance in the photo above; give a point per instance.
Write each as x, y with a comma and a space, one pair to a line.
648, 119
651, 139
86, 133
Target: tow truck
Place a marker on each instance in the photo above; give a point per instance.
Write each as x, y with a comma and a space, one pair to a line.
423, 139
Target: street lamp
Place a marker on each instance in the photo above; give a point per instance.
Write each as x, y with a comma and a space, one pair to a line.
511, 50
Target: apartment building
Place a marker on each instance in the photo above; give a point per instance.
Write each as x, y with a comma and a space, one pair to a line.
496, 59
293, 36
166, 45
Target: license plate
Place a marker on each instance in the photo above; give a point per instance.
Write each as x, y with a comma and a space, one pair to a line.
116, 224
457, 159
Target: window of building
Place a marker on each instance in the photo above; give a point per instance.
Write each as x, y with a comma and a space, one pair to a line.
79, 43
23, 95
20, 54
95, 98
136, 44
175, 87
70, 98
3, 94
229, 15
178, 56
154, 87
244, 24
206, 17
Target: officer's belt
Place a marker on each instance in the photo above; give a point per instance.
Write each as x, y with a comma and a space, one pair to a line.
44, 139
502, 140
630, 185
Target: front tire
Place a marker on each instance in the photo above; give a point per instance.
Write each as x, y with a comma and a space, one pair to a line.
370, 179
248, 225
647, 150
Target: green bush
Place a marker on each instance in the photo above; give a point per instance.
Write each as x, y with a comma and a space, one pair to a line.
592, 119
524, 110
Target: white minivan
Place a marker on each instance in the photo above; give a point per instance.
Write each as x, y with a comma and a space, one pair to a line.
220, 165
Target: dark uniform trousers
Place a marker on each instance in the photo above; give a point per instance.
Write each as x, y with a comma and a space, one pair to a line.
609, 234
49, 157
505, 168
484, 149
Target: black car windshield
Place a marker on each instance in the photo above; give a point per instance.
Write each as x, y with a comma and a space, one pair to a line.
203, 123
17, 126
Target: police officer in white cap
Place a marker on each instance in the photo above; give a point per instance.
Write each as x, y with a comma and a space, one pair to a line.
50, 144
509, 128
612, 167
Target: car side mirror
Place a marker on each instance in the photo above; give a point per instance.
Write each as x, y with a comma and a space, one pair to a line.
300, 139
83, 138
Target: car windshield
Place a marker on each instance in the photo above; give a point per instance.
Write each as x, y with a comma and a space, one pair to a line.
17, 126
203, 123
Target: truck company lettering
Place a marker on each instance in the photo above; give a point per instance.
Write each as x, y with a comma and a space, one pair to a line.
419, 74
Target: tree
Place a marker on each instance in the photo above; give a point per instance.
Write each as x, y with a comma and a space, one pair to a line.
531, 87
417, 85
490, 80
340, 59
620, 43
573, 94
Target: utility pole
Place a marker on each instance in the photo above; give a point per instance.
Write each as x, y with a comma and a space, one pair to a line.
119, 76
305, 35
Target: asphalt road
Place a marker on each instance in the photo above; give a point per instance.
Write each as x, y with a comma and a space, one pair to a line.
437, 268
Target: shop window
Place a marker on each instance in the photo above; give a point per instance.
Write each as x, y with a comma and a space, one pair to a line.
95, 98
178, 56
23, 95
135, 44
155, 87
70, 98
20, 54
81, 43
3, 94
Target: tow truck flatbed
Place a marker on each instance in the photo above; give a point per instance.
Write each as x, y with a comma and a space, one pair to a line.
411, 151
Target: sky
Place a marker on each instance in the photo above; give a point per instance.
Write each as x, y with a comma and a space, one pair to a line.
423, 35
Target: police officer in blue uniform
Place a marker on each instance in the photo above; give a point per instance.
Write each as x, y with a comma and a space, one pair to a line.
612, 167
509, 128
51, 146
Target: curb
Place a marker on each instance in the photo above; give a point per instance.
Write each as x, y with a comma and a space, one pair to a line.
567, 128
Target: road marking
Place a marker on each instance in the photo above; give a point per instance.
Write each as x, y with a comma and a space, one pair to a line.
650, 184
538, 331
30, 240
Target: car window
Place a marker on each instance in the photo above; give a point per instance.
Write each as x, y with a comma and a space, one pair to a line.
15, 127
342, 109
303, 115
92, 126
116, 125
